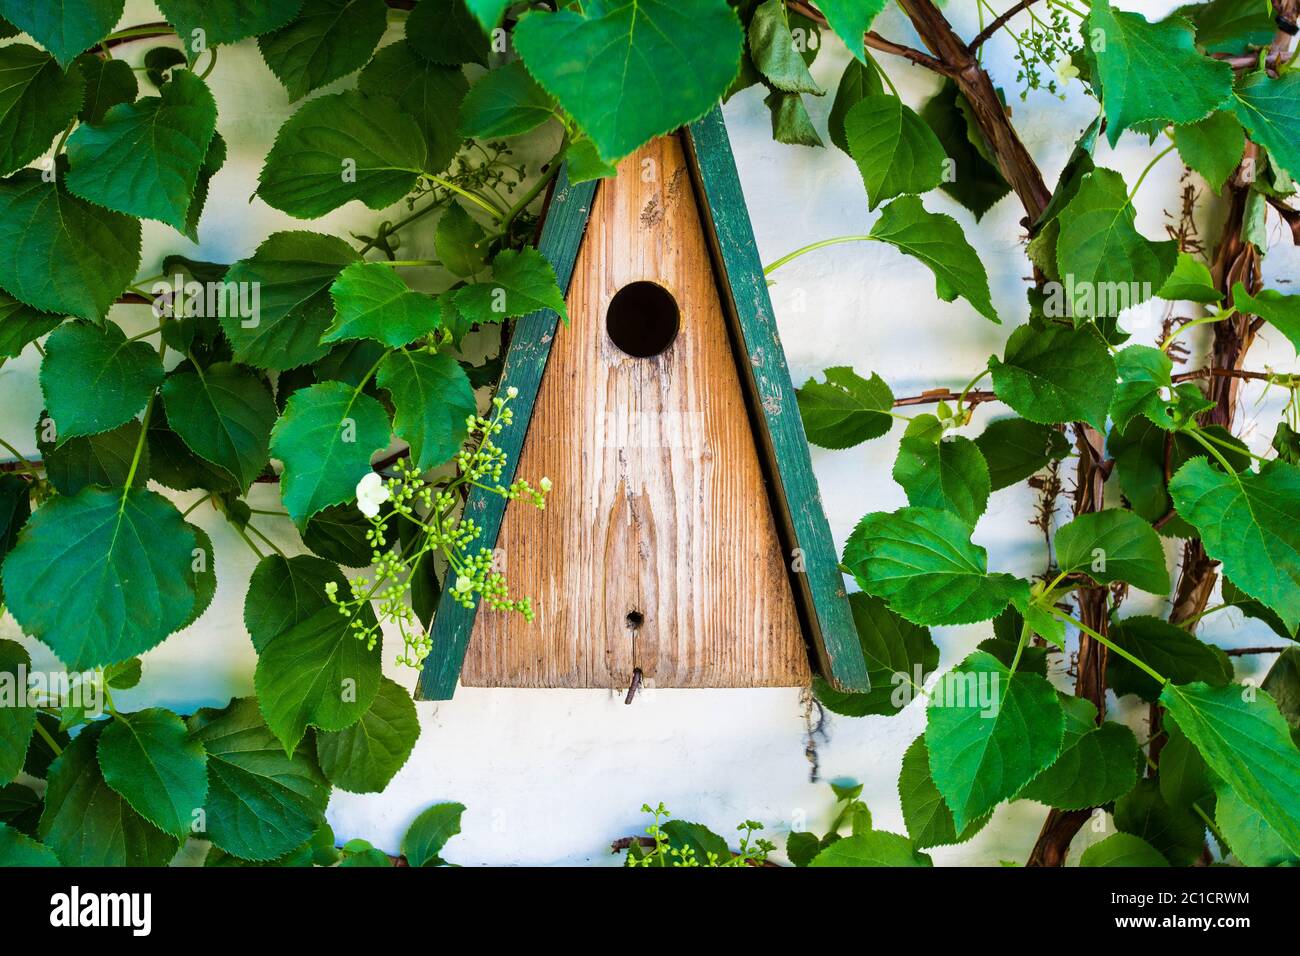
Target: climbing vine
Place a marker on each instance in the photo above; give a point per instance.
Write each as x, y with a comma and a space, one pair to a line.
343, 373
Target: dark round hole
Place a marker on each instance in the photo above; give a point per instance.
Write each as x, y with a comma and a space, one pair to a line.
635, 619
643, 319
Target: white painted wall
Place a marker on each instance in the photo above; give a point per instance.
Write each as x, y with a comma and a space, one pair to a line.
552, 776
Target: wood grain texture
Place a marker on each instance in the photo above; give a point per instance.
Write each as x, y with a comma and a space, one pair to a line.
659, 508
530, 346
784, 444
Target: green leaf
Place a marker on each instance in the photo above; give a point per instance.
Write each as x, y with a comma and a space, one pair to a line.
630, 71
873, 848
1144, 379
1178, 835
1229, 26
144, 158
1056, 374
1139, 453
1014, 449
226, 22
212, 163
791, 123
1153, 71
317, 673
102, 576
1190, 282
442, 31
1250, 522
1252, 840
1283, 684
846, 409
900, 657
1097, 764
103, 459
39, 753
1122, 849
1270, 111
1114, 545
950, 475
64, 27
1107, 264
293, 272
505, 102
1172, 651
224, 415
86, 823
20, 808
432, 399
1246, 741
522, 282
1281, 311
149, 760
928, 819
923, 563
326, 438
20, 325
372, 302
802, 847
338, 534
940, 243
430, 93
59, 254
858, 82
261, 803
107, 83
989, 733
895, 150
978, 183
363, 758
328, 40
17, 720
284, 592
37, 100
125, 675
17, 849
460, 242
93, 379
772, 49
1212, 147
1184, 777
15, 509
339, 148
430, 833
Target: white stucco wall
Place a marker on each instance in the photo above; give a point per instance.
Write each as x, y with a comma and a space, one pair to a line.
553, 776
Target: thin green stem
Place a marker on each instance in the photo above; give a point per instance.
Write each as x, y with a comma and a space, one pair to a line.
265, 540
475, 198
21, 459
1209, 446
1107, 642
195, 507
49, 740
212, 63
813, 247
247, 540
1203, 320
1151, 165
408, 263
1192, 621
883, 75
139, 451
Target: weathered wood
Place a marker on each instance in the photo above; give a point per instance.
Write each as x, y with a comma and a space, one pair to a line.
657, 550
794, 487
566, 220
803, 551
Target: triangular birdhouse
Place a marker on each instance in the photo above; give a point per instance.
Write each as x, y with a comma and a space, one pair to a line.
684, 543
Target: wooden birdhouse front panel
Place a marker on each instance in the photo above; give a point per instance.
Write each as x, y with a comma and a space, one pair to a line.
657, 549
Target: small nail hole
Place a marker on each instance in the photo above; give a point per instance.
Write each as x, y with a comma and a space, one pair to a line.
635, 619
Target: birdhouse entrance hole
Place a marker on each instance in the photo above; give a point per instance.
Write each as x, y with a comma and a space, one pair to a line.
643, 319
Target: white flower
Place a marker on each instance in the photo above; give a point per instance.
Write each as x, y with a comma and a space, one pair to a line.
463, 583
1066, 70
512, 392
545, 484
371, 493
